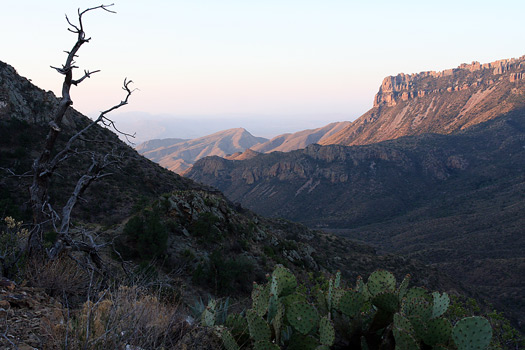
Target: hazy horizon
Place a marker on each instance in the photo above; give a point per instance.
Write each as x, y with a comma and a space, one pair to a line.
150, 126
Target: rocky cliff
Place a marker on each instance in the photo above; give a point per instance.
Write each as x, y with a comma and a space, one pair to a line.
438, 102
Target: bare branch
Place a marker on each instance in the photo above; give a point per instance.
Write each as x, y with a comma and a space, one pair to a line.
13, 174
87, 74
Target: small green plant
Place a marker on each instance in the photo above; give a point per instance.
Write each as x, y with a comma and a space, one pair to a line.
224, 275
12, 239
205, 228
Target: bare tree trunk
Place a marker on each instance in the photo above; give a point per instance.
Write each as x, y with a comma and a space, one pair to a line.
45, 165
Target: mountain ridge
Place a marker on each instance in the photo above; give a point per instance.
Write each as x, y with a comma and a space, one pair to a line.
178, 156
440, 102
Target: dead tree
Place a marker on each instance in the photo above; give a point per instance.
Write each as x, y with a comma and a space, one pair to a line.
50, 158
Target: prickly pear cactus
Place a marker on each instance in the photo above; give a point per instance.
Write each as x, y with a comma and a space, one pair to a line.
381, 281
472, 333
228, 341
283, 281
403, 287
259, 329
404, 341
401, 322
265, 345
351, 303
441, 303
302, 316
326, 332
209, 314
438, 331
387, 301
407, 318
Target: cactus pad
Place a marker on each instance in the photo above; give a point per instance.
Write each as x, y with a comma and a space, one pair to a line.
326, 332
404, 341
259, 329
401, 322
437, 331
265, 345
387, 301
283, 281
351, 303
302, 316
419, 307
337, 281
322, 302
441, 303
337, 294
417, 292
403, 287
228, 341
209, 314
472, 333
277, 321
381, 281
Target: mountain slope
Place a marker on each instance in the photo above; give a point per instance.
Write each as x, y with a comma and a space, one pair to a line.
455, 201
157, 143
438, 102
298, 140
178, 155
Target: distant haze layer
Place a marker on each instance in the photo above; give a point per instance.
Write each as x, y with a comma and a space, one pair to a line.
147, 126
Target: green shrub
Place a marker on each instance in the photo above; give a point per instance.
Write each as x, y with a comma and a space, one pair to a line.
148, 235
205, 228
225, 275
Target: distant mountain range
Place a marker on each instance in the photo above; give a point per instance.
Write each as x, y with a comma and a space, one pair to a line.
434, 170
178, 155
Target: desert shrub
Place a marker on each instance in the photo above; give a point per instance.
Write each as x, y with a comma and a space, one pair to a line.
12, 239
205, 228
148, 235
225, 275
123, 318
60, 277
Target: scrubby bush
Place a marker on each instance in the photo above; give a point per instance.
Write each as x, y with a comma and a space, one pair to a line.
147, 234
225, 275
123, 318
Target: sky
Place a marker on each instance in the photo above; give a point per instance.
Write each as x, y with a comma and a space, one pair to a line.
278, 61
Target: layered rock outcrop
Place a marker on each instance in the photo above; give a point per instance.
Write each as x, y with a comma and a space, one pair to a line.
438, 102
403, 87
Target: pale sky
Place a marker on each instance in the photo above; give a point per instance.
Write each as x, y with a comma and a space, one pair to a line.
263, 57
